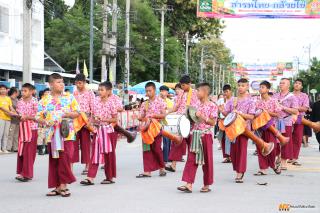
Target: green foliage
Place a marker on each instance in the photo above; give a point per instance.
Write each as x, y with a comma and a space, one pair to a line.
311, 78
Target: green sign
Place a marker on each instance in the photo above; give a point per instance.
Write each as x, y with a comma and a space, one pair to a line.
205, 5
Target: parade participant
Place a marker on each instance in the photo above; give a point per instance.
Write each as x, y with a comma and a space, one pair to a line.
303, 106
244, 106
153, 108
227, 95
6, 111
85, 100
56, 111
185, 99
271, 106
200, 150
289, 105
104, 116
27, 108
164, 91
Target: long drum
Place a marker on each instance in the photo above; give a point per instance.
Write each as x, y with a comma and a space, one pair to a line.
236, 125
178, 125
313, 125
262, 118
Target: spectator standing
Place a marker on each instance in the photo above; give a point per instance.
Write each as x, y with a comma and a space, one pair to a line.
12, 144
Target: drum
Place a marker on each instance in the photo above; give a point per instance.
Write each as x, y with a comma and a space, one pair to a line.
178, 124
234, 125
261, 119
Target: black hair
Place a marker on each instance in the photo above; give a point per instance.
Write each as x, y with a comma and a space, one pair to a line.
270, 93
178, 85
164, 87
266, 83
106, 84
150, 84
3, 86
80, 77
13, 90
226, 87
185, 79
285, 79
54, 76
46, 90
299, 80
204, 85
243, 80
28, 86
66, 90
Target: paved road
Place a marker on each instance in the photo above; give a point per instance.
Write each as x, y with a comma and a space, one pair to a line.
298, 186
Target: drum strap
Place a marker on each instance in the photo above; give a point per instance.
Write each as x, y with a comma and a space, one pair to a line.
189, 97
197, 147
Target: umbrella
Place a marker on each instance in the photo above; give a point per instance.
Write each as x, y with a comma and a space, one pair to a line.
140, 88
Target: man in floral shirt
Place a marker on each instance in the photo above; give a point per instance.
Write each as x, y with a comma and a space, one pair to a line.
27, 108
52, 109
207, 113
85, 99
154, 108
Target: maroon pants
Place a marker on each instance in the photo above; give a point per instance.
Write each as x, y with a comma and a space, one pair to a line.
177, 151
190, 169
110, 167
223, 146
153, 159
268, 161
60, 168
25, 162
287, 150
297, 137
238, 154
83, 143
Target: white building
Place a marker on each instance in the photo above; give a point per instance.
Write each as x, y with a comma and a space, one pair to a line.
11, 40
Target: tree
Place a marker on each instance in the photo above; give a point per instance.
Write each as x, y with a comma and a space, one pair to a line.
311, 78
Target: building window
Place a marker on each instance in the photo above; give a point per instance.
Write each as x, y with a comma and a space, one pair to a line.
36, 30
4, 19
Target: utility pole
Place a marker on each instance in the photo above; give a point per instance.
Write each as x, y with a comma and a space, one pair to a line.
91, 43
213, 84
201, 66
223, 75
162, 10
27, 51
219, 83
187, 53
113, 44
127, 48
105, 46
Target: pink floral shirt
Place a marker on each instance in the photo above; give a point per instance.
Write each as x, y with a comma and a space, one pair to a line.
28, 108
245, 105
116, 102
303, 101
85, 100
270, 105
103, 109
287, 100
181, 101
157, 106
209, 110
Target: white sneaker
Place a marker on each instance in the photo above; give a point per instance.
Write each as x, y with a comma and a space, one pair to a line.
6, 152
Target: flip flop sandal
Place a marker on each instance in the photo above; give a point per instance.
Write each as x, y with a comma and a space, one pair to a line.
22, 179
262, 184
296, 163
277, 171
84, 172
170, 169
53, 193
162, 174
143, 176
259, 173
203, 190
105, 181
86, 182
184, 189
65, 193
284, 168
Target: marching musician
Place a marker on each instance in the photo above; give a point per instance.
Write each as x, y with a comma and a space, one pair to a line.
104, 115
225, 145
187, 98
271, 106
85, 100
27, 108
164, 91
200, 143
244, 106
303, 106
51, 110
290, 107
153, 108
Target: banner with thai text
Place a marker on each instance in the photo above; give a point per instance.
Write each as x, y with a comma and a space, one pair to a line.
258, 8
